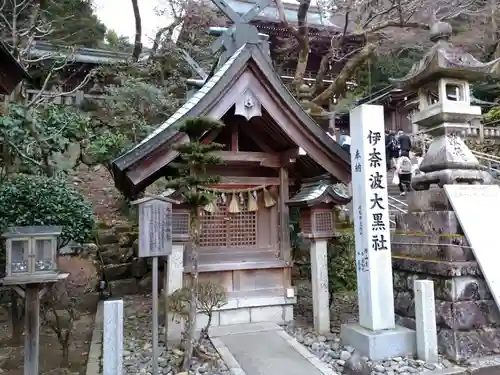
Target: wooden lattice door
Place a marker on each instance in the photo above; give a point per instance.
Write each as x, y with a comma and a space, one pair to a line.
224, 229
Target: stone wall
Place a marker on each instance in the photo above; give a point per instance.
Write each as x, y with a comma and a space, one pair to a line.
123, 270
467, 318
429, 244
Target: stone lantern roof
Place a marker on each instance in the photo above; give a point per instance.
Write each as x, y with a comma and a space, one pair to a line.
444, 60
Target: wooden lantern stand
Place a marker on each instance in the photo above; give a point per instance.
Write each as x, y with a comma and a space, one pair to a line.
32, 280
32, 292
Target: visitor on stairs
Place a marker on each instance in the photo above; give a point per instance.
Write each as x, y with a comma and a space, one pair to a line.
416, 163
391, 150
346, 143
404, 171
404, 143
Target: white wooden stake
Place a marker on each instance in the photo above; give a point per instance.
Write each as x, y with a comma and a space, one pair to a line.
113, 338
425, 316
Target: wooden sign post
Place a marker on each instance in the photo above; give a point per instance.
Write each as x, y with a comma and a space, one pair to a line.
155, 240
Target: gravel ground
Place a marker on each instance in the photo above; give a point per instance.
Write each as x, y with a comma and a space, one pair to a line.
138, 350
137, 347
329, 348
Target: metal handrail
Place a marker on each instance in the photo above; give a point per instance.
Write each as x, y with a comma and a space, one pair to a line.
477, 154
398, 201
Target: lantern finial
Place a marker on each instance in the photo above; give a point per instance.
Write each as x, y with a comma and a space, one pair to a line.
440, 31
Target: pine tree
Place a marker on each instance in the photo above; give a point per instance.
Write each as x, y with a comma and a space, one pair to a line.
194, 159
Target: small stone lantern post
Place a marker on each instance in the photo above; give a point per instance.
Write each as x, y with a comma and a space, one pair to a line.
316, 200
31, 261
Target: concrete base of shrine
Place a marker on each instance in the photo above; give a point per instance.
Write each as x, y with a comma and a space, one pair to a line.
379, 345
251, 310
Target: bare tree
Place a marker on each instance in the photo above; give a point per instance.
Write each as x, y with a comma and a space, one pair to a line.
23, 23
63, 303
368, 23
138, 31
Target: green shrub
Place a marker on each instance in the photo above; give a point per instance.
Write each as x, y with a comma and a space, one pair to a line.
342, 264
40, 200
492, 115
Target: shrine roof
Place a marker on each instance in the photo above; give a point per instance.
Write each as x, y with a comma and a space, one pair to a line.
315, 17
211, 93
79, 54
322, 191
446, 60
10, 67
391, 92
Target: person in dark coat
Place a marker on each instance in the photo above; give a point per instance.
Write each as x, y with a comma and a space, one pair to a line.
404, 143
391, 150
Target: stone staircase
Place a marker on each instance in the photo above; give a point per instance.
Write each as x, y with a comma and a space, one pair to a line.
396, 202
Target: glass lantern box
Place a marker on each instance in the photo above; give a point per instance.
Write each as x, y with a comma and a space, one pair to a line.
31, 253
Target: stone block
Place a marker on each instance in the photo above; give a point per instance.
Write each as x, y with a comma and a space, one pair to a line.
266, 314
459, 288
406, 322
120, 288
435, 267
467, 315
117, 271
428, 200
379, 345
430, 222
236, 316
462, 345
435, 247
404, 304
467, 288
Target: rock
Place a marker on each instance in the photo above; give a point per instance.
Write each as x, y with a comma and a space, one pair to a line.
356, 366
345, 355
117, 271
315, 347
308, 341
107, 237
379, 368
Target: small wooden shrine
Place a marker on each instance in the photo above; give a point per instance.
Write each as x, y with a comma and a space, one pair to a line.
271, 146
11, 72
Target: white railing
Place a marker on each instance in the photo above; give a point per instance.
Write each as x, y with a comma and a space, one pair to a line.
75, 99
483, 158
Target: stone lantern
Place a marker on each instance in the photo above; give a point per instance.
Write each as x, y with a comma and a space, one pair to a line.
316, 200
31, 254
429, 241
442, 79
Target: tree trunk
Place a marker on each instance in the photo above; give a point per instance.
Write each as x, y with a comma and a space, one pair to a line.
337, 87
298, 79
195, 236
65, 355
138, 31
